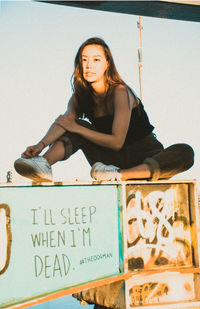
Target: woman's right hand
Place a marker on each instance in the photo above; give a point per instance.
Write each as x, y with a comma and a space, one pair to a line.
33, 151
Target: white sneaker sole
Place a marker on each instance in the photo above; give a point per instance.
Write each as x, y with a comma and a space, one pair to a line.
93, 169
28, 170
102, 172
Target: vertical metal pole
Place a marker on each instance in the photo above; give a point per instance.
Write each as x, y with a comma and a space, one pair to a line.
140, 60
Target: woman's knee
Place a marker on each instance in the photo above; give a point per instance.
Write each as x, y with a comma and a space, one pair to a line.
174, 159
187, 154
73, 141
183, 155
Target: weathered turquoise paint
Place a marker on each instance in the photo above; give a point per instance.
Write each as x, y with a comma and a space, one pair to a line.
61, 236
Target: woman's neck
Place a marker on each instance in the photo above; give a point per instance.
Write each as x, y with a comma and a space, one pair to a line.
99, 88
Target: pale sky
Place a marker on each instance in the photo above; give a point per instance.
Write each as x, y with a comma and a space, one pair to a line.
38, 45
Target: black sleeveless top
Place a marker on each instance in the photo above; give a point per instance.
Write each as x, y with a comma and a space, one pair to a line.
139, 126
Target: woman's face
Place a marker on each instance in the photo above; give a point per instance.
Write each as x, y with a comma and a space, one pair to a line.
94, 63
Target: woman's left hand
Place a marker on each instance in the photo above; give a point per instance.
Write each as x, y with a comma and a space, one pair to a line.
68, 122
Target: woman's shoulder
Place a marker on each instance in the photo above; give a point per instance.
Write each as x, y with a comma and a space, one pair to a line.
73, 105
122, 91
119, 88
73, 101
123, 87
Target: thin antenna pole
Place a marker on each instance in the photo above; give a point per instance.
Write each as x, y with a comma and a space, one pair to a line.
140, 60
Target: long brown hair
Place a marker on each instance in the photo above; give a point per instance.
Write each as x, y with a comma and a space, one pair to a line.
82, 89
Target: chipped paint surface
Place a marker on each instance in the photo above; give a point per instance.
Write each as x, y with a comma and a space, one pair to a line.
159, 231
63, 236
68, 236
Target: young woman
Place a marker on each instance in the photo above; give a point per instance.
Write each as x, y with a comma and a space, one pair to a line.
117, 140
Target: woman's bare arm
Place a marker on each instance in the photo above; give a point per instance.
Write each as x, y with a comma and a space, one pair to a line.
54, 132
122, 114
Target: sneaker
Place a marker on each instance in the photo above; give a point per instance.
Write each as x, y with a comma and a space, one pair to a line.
37, 168
102, 172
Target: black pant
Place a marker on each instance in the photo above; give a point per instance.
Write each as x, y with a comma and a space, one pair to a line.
163, 163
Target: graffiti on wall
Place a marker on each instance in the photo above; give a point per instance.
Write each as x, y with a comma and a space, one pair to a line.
158, 231
147, 293
5, 237
159, 289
